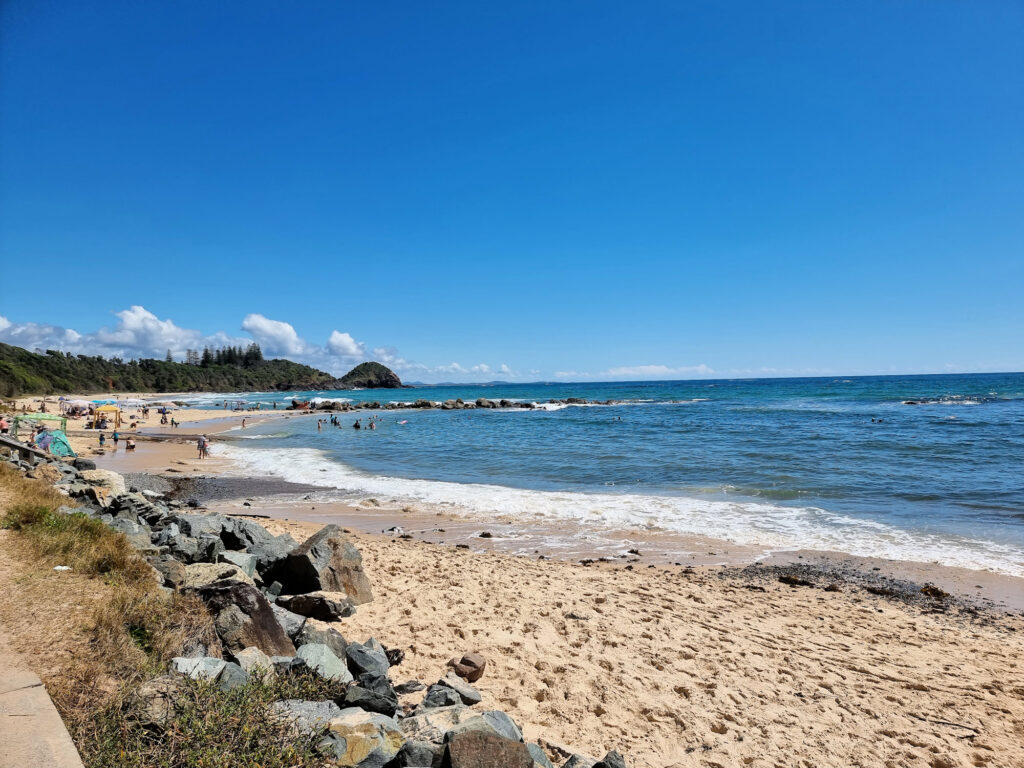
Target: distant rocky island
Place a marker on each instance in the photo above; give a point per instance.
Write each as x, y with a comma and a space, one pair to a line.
228, 369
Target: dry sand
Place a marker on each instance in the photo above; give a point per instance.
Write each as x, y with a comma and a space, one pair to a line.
697, 667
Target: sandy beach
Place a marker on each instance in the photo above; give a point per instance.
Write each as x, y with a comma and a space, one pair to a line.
687, 664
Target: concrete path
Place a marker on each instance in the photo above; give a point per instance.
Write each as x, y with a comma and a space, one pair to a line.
32, 735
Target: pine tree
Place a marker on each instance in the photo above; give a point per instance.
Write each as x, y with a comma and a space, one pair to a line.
169, 358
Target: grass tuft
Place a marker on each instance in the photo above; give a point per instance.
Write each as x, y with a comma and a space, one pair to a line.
213, 729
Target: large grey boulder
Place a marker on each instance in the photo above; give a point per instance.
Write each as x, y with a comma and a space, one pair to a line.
540, 758
418, 754
372, 693
439, 696
244, 617
196, 525
254, 539
172, 571
254, 660
327, 561
481, 749
467, 693
431, 725
292, 622
244, 560
306, 716
492, 721
323, 662
367, 657
364, 739
314, 631
326, 606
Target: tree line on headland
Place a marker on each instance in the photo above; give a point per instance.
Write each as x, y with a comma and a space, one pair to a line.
228, 369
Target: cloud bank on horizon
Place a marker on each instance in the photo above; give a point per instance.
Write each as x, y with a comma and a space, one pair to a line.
139, 333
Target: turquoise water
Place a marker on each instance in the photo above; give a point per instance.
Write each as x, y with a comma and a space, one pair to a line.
774, 463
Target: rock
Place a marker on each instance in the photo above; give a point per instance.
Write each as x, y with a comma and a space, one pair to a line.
252, 659
195, 525
326, 561
204, 574
171, 570
579, 761
540, 758
372, 693
48, 473
470, 667
232, 677
184, 548
367, 658
467, 693
417, 754
243, 618
152, 703
285, 664
440, 696
322, 660
315, 631
479, 749
612, 760
364, 739
82, 464
256, 540
291, 622
432, 724
492, 721
326, 606
307, 716
202, 668
113, 482
409, 687
244, 560
209, 548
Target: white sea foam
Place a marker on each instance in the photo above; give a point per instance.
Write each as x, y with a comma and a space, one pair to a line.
755, 524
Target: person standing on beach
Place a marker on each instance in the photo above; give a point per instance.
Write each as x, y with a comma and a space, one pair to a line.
103, 439
201, 445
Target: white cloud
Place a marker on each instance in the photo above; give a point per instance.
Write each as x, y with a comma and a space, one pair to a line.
275, 337
452, 368
140, 329
140, 333
343, 344
657, 371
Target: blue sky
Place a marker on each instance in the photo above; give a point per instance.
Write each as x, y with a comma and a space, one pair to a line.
575, 190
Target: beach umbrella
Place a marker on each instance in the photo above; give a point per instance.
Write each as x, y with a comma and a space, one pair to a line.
78, 403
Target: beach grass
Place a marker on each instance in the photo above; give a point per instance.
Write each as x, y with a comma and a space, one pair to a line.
128, 635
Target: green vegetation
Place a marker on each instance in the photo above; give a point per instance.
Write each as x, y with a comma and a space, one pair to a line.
371, 376
127, 634
211, 728
231, 369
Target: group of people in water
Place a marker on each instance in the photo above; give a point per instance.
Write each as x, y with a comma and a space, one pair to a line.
334, 421
129, 443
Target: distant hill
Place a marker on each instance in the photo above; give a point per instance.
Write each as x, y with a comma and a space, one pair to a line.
371, 376
223, 370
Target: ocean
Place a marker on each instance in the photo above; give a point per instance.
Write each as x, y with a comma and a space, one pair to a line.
816, 463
